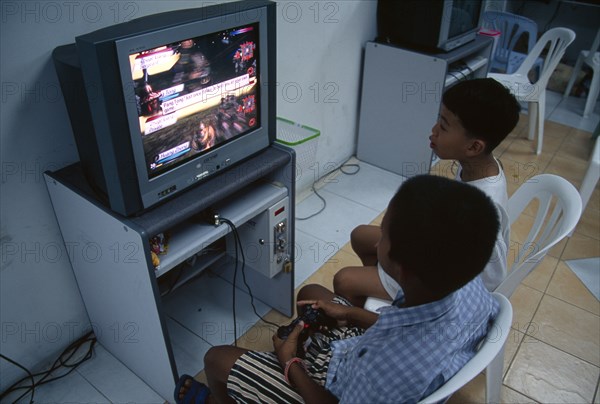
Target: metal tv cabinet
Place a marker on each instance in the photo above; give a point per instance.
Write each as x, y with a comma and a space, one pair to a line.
160, 321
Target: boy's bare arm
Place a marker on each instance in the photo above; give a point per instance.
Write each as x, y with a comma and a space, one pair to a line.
361, 317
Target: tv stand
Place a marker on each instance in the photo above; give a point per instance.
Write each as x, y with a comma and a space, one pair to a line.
401, 97
152, 319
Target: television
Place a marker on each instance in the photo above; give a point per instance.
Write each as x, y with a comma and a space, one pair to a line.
428, 25
160, 103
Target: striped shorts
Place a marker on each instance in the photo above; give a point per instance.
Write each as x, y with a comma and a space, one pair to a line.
257, 377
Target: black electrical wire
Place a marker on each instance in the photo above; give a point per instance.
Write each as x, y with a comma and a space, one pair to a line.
238, 244
60, 362
235, 269
6, 358
312, 187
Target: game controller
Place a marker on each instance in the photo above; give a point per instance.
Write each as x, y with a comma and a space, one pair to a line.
313, 320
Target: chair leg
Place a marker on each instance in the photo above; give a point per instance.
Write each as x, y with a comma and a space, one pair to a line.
574, 74
593, 94
541, 112
493, 378
533, 107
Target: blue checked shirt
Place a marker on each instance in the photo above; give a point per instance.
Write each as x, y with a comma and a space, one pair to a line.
409, 352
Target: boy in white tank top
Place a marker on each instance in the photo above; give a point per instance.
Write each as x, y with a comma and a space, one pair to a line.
475, 117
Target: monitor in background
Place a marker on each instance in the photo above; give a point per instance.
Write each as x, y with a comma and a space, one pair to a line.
160, 103
428, 25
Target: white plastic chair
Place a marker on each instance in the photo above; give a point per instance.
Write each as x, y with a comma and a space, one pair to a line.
558, 211
555, 40
592, 59
490, 356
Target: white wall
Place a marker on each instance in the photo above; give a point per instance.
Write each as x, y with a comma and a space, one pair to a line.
319, 68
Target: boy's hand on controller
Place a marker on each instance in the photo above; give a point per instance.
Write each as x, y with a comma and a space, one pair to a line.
286, 349
336, 311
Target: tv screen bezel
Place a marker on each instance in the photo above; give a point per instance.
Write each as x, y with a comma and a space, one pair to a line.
196, 165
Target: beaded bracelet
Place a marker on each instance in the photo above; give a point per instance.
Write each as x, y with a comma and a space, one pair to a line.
290, 363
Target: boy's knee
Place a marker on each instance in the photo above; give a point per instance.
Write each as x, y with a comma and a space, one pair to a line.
307, 292
357, 232
341, 280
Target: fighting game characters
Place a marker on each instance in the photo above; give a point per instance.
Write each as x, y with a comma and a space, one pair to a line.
195, 94
192, 67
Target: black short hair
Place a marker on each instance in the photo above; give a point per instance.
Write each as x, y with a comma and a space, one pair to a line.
486, 109
441, 230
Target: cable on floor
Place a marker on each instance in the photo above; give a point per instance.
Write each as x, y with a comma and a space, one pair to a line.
343, 170
61, 362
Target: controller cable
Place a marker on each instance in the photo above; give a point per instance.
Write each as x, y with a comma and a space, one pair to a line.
60, 362
240, 249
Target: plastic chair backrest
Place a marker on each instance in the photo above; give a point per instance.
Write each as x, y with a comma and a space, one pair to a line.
489, 351
555, 40
512, 28
558, 211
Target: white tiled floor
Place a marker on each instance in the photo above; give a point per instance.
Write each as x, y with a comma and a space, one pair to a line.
351, 200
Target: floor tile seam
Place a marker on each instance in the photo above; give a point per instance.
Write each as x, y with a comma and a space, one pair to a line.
558, 104
524, 335
561, 350
324, 241
512, 360
519, 392
93, 385
597, 393
530, 322
593, 237
551, 276
564, 139
324, 189
569, 239
569, 303
555, 156
188, 329
562, 250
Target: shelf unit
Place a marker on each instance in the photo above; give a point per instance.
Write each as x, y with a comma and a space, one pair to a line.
157, 321
401, 98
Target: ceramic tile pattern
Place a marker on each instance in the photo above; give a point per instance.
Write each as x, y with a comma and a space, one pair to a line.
552, 354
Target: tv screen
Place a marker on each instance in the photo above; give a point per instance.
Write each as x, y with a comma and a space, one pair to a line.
160, 103
195, 95
464, 17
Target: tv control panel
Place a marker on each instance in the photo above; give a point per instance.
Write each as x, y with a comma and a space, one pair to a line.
265, 240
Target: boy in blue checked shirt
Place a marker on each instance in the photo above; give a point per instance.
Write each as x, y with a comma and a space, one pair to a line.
413, 346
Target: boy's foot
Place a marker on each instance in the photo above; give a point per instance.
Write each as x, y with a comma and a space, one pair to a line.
190, 391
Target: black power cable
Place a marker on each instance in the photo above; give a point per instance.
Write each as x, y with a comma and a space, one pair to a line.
239, 247
6, 358
61, 362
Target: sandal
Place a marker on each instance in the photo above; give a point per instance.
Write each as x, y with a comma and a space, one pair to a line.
196, 394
